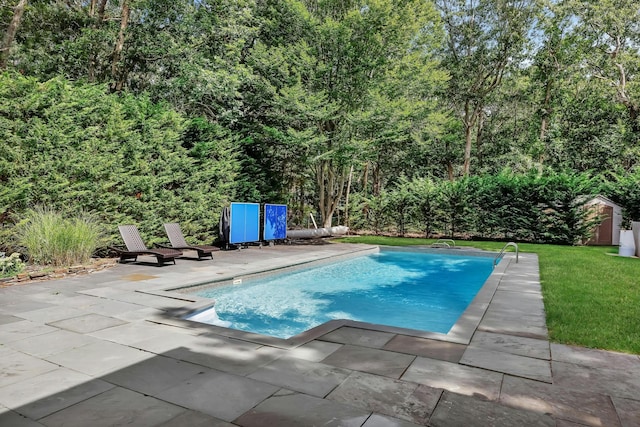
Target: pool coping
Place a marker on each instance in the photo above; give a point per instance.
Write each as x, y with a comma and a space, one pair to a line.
460, 333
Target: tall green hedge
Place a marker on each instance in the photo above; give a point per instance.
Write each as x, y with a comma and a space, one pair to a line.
538, 208
74, 148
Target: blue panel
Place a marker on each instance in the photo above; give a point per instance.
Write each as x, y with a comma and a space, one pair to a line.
275, 222
245, 223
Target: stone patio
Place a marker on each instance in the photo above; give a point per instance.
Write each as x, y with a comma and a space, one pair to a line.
110, 349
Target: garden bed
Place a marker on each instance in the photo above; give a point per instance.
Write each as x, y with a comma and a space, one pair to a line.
39, 273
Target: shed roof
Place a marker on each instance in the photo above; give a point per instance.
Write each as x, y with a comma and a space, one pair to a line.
604, 200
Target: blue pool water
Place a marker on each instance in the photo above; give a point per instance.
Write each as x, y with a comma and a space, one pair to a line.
415, 290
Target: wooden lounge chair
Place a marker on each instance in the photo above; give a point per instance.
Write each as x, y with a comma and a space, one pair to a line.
135, 246
177, 242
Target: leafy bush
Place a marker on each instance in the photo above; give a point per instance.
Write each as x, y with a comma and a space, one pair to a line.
625, 190
10, 265
566, 220
73, 147
52, 239
402, 204
525, 207
454, 204
426, 215
370, 212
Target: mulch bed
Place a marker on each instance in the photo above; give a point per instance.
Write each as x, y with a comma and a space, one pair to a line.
39, 273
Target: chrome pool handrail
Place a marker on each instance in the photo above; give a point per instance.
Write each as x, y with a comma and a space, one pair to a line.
501, 254
446, 243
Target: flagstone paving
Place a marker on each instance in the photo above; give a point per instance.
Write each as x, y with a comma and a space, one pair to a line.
109, 349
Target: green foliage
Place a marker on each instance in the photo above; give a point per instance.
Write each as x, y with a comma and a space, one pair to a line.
75, 149
426, 205
547, 208
402, 204
370, 213
287, 100
484, 40
625, 190
564, 218
406, 88
589, 134
342, 84
51, 238
610, 33
10, 265
454, 205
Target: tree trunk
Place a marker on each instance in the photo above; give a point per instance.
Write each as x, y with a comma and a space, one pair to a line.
377, 179
626, 100
98, 16
365, 178
117, 73
346, 199
331, 188
450, 171
466, 166
634, 111
543, 135
544, 123
545, 111
470, 116
479, 134
11, 32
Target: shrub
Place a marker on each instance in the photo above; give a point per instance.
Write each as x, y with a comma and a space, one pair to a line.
625, 190
11, 265
454, 205
402, 204
50, 238
74, 148
426, 210
565, 219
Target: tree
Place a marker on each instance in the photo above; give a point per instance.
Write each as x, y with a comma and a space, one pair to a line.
611, 30
484, 39
10, 32
553, 62
401, 119
333, 84
588, 132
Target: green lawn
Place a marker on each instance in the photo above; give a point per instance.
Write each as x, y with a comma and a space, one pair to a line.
592, 299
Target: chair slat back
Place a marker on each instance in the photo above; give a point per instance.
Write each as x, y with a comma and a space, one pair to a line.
175, 235
132, 239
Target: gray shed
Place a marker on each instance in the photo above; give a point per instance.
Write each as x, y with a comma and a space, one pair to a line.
608, 232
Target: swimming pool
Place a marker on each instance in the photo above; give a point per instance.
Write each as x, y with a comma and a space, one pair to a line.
414, 290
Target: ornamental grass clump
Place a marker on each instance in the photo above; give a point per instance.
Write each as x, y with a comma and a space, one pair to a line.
50, 238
